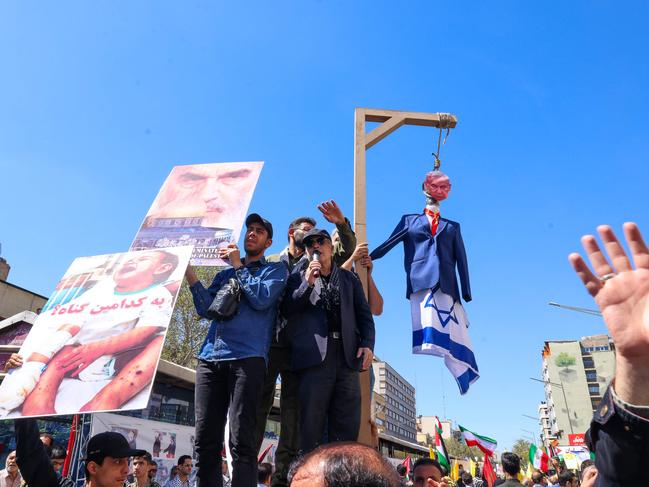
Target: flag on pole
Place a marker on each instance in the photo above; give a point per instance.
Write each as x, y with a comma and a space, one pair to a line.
408, 464
472, 467
538, 458
431, 453
530, 470
455, 471
487, 445
488, 471
264, 453
440, 448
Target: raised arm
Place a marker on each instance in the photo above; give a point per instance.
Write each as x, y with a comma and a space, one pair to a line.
620, 427
32, 458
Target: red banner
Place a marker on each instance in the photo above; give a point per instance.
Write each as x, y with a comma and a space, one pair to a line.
576, 440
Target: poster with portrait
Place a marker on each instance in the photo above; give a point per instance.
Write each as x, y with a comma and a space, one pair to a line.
203, 205
97, 342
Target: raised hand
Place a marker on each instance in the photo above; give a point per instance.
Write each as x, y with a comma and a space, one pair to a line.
332, 212
621, 292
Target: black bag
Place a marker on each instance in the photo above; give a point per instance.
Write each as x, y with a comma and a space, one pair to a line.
226, 302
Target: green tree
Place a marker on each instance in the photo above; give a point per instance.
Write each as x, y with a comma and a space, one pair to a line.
186, 330
459, 449
522, 449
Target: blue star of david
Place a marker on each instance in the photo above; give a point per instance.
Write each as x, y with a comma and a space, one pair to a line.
444, 316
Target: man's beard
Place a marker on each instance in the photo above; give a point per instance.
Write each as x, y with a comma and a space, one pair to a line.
298, 238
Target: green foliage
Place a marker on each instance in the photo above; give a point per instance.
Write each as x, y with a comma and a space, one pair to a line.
459, 449
186, 330
522, 449
564, 360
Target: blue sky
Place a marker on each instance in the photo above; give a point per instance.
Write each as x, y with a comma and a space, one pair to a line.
100, 99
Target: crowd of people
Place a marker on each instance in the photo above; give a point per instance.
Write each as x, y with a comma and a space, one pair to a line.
303, 315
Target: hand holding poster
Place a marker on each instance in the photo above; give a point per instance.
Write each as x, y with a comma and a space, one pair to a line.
97, 348
203, 205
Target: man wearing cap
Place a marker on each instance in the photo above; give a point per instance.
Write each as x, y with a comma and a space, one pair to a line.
106, 461
332, 333
279, 356
232, 360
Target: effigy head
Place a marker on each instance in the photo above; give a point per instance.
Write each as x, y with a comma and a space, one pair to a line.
437, 185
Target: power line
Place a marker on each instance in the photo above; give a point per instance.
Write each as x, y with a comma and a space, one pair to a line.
592, 312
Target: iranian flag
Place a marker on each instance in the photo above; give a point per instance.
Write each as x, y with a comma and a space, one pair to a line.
440, 448
486, 444
539, 458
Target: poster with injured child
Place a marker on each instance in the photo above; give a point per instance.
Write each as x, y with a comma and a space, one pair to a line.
203, 205
96, 344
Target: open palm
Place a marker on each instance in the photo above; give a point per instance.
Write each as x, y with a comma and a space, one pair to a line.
623, 297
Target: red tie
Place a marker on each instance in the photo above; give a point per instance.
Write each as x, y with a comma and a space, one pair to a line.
435, 216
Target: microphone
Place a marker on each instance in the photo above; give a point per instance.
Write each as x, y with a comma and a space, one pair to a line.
316, 257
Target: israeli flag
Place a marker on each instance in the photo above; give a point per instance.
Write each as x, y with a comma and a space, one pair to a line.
440, 327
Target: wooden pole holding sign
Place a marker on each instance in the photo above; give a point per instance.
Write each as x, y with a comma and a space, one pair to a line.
390, 121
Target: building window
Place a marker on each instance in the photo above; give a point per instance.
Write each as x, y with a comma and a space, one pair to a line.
593, 389
589, 363
591, 376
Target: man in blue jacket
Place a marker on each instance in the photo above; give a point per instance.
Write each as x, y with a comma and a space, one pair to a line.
232, 361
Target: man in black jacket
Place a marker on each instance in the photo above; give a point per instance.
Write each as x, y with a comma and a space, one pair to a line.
332, 338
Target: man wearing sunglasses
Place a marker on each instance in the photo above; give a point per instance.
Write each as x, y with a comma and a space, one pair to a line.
332, 335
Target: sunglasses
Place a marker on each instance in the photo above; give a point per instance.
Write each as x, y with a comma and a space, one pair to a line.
311, 241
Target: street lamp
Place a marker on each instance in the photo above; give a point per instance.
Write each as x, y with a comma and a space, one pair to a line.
532, 435
564, 398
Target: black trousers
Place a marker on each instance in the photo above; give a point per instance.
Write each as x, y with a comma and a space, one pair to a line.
330, 394
279, 363
228, 388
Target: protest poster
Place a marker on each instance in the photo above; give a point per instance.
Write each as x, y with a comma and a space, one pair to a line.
203, 205
97, 342
165, 441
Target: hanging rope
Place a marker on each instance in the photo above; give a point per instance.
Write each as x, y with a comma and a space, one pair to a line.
444, 123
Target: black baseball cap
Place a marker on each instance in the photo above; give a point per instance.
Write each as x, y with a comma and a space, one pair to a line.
314, 233
256, 218
110, 444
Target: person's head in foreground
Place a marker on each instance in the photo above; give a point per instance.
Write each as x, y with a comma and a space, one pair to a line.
153, 469
264, 473
467, 479
185, 466
427, 472
588, 474
259, 235
538, 478
342, 465
57, 457
107, 459
511, 464
141, 467
11, 466
317, 240
567, 479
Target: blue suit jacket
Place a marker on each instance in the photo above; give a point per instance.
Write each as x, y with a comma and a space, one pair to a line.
427, 260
